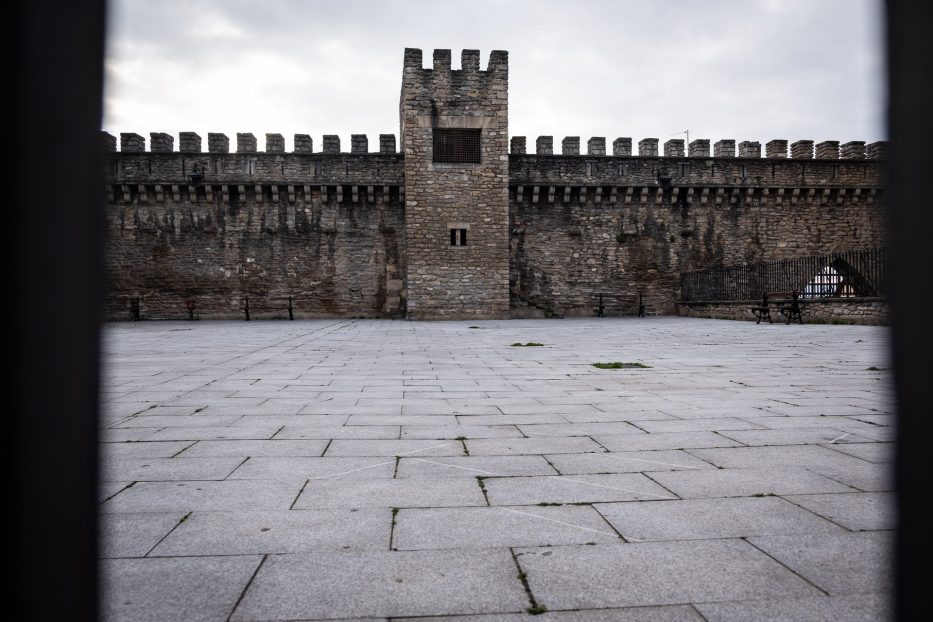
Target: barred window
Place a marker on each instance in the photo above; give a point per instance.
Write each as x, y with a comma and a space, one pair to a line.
457, 146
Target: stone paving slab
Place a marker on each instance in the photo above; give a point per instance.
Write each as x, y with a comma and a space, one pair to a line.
697, 519
277, 531
842, 563
207, 496
655, 573
794, 436
389, 584
343, 447
155, 449
254, 449
851, 608
134, 535
298, 469
473, 466
856, 511
810, 456
873, 452
572, 489
746, 482
169, 469
178, 588
434, 432
533, 446
389, 493
664, 440
663, 613
626, 462
406, 447
463, 528
318, 432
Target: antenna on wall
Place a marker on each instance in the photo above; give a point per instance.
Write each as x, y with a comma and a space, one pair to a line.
687, 132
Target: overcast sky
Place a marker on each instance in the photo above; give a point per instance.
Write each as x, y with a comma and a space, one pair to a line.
742, 69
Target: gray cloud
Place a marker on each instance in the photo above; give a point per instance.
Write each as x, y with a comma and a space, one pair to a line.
750, 70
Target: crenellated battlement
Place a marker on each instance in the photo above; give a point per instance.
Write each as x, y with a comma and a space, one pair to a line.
700, 148
441, 61
190, 142
456, 219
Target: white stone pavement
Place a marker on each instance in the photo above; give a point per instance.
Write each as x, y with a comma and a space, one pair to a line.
362, 469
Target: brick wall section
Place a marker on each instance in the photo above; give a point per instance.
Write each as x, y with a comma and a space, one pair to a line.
445, 281
581, 226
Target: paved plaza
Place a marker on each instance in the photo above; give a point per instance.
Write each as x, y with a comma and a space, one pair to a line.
382, 470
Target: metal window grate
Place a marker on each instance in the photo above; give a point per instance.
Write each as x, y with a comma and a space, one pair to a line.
457, 146
839, 275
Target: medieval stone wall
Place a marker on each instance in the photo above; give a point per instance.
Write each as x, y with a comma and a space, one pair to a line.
368, 233
325, 229
624, 226
446, 280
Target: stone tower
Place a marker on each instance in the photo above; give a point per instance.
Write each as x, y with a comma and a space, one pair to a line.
454, 136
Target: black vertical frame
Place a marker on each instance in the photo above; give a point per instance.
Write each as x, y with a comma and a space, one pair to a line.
54, 233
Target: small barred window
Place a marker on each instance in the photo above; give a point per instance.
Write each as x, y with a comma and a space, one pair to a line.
457, 146
458, 237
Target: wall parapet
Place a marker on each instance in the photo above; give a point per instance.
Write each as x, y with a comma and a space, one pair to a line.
725, 148
217, 142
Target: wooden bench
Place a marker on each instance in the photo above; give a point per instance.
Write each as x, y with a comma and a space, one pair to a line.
785, 303
246, 308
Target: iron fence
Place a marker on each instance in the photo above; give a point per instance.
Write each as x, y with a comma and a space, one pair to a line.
837, 275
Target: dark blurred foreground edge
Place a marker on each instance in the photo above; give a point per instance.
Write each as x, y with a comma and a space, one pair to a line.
910, 126
54, 236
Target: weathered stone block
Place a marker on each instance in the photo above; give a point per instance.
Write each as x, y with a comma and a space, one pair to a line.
724, 148
359, 143
596, 146
802, 150
570, 145
132, 143
749, 149
161, 142
275, 143
331, 143
877, 150
544, 145
648, 147
189, 142
386, 143
218, 143
245, 143
674, 148
469, 60
622, 146
827, 150
853, 150
698, 148
517, 145
303, 143
776, 149
108, 141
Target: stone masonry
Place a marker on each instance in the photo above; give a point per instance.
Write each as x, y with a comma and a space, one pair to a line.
346, 232
445, 280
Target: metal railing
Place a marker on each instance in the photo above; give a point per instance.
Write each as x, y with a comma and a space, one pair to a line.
837, 275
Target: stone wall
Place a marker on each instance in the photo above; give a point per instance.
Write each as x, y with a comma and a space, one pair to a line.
447, 280
826, 310
363, 233
326, 230
624, 226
